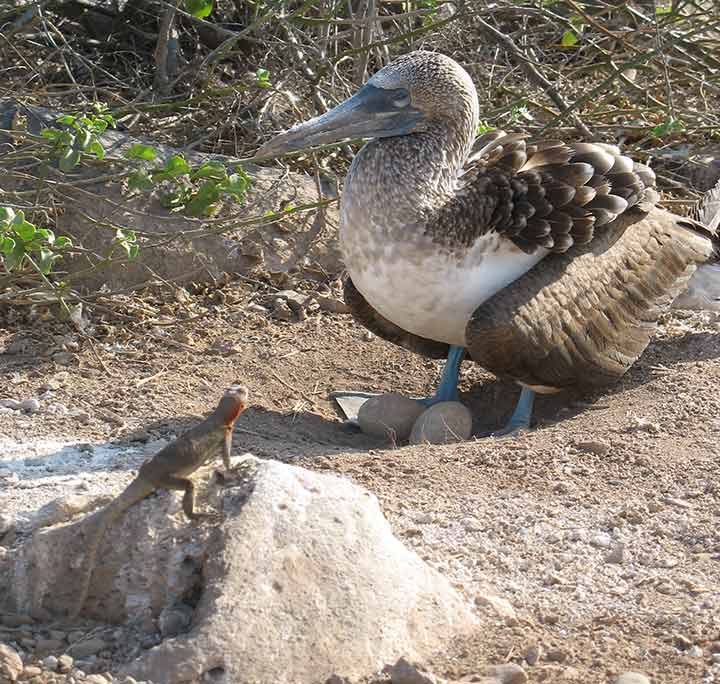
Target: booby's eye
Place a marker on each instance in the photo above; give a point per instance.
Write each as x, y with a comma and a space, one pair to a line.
401, 101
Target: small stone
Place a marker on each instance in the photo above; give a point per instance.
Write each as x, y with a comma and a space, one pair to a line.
510, 673
616, 554
50, 663
695, 651
533, 654
83, 649
32, 671
11, 404
715, 657
57, 634
333, 305
282, 312
63, 358
96, 679
596, 447
406, 672
682, 642
256, 308
602, 540
174, 620
65, 663
30, 405
632, 678
556, 655
715, 647
10, 663
444, 423
500, 605
389, 416
7, 523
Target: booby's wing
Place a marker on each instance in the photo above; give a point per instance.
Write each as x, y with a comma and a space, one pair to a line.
547, 195
584, 317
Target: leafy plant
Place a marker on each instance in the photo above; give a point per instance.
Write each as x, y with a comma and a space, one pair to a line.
199, 8
667, 127
79, 136
23, 244
196, 191
262, 78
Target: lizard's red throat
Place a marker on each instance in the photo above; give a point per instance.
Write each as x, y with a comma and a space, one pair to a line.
233, 403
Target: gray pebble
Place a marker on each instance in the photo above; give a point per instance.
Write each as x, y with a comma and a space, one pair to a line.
444, 423
632, 678
616, 555
532, 654
11, 404
63, 358
601, 540
50, 663
389, 416
30, 405
695, 651
510, 673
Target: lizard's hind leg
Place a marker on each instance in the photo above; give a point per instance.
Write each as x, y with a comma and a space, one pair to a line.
188, 502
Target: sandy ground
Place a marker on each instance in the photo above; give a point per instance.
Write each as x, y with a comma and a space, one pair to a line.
601, 527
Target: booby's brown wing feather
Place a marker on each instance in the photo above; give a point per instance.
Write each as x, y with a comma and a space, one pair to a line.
364, 314
548, 194
582, 318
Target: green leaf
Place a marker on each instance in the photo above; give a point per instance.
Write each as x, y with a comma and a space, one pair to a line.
569, 39
134, 251
202, 202
51, 134
667, 127
45, 234
140, 151
664, 8
84, 139
262, 78
7, 215
7, 245
484, 127
139, 180
63, 242
237, 185
199, 8
97, 149
46, 260
25, 231
66, 119
176, 166
212, 169
69, 159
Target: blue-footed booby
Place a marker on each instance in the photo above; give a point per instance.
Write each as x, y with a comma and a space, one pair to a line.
545, 262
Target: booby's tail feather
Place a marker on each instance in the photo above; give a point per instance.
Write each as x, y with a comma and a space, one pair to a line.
703, 292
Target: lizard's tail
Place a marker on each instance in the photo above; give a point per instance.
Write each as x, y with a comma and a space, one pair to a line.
703, 291
104, 520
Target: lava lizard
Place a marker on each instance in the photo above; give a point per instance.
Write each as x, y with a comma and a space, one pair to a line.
168, 469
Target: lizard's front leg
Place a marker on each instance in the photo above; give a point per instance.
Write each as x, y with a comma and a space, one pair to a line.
188, 502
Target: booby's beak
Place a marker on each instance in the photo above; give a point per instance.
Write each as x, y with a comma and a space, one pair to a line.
371, 113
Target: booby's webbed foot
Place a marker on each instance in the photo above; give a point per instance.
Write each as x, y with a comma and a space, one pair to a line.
448, 388
520, 419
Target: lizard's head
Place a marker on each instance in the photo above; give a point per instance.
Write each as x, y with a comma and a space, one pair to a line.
233, 403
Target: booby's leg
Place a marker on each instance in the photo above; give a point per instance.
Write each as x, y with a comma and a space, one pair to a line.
448, 388
520, 419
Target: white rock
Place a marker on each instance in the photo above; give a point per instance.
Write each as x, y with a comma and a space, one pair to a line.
405, 672
7, 523
632, 678
601, 540
11, 404
306, 568
10, 663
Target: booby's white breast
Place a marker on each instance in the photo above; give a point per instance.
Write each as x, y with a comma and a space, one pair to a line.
429, 291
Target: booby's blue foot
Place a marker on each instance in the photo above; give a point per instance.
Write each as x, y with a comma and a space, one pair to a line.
520, 419
448, 388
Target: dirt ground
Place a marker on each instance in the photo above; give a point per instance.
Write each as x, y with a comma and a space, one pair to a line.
601, 526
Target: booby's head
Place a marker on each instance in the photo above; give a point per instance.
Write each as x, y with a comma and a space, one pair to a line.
408, 96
